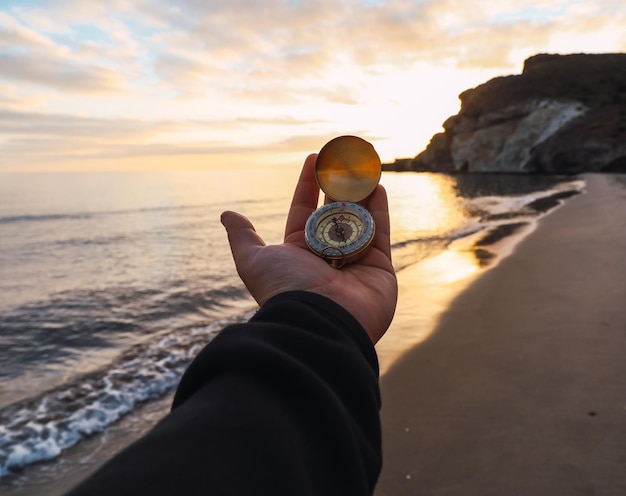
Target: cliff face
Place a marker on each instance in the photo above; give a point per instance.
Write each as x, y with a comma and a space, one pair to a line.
563, 114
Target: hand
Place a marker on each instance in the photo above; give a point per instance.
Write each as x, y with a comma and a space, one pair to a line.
367, 288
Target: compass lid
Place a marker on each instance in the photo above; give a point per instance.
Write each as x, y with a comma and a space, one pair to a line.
348, 169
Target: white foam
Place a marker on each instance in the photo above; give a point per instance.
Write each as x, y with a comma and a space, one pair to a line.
495, 205
41, 429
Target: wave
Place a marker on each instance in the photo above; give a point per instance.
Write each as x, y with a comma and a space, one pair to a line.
492, 208
82, 215
13, 219
40, 428
497, 216
43, 218
70, 322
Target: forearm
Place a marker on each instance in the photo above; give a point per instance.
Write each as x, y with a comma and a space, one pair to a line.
285, 404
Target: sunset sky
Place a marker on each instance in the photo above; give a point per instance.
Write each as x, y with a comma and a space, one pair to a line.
141, 84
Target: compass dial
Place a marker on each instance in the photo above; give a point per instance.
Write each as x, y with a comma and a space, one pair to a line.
339, 232
340, 229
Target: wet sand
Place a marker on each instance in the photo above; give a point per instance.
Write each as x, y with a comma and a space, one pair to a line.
521, 387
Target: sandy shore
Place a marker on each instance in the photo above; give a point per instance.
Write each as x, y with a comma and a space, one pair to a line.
521, 388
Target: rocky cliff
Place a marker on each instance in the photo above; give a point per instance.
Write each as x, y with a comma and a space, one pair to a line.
563, 114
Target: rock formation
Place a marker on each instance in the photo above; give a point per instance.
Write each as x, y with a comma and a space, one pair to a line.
564, 114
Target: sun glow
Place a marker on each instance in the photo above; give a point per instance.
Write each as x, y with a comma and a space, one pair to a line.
424, 210
437, 212
426, 290
111, 86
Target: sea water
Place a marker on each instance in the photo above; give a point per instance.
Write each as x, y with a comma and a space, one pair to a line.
112, 282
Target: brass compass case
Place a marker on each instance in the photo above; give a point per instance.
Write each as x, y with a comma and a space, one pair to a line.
347, 171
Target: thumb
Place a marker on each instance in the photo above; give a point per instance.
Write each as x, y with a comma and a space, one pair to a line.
242, 237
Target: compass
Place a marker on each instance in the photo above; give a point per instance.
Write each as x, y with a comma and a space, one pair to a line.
347, 171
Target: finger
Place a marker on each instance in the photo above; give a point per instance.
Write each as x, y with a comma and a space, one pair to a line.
242, 237
304, 198
379, 208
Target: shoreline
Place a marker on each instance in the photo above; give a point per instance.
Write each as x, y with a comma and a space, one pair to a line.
57, 476
519, 388
442, 278
428, 288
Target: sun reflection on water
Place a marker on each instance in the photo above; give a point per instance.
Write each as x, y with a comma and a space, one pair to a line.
422, 205
426, 290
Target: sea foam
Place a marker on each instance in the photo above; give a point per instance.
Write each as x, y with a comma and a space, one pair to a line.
41, 428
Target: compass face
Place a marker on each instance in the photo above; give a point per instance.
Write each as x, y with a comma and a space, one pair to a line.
339, 231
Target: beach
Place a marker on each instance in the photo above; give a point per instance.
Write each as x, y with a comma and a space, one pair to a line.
500, 366
520, 388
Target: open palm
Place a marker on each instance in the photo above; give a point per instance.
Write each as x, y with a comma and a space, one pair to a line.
367, 288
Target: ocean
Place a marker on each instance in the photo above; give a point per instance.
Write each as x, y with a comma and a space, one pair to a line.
112, 282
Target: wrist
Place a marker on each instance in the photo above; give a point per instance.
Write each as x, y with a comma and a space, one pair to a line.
321, 312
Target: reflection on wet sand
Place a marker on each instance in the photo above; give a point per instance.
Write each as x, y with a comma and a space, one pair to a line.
426, 289
420, 233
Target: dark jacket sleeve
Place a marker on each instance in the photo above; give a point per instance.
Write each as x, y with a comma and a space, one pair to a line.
286, 404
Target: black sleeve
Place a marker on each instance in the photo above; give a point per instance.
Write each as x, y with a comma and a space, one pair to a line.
286, 404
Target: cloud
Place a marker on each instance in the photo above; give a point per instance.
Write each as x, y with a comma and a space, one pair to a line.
66, 76
188, 75
200, 77
35, 139
59, 125
31, 57
32, 124
279, 44
195, 46
16, 99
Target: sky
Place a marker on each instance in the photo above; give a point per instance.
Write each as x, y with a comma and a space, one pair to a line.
155, 84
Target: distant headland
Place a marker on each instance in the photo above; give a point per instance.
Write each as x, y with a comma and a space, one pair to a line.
565, 114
